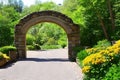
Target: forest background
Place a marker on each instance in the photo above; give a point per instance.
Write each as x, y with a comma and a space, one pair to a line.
97, 19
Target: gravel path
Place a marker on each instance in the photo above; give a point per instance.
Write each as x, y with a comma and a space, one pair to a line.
43, 65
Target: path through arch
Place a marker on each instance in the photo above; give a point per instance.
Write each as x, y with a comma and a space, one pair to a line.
72, 30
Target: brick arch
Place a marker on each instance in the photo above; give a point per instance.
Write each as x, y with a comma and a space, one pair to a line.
72, 30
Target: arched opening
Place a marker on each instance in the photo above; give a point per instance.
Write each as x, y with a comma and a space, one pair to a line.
72, 30
45, 40
46, 35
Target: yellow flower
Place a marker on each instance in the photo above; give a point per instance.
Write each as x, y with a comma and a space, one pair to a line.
102, 52
106, 52
111, 54
96, 58
118, 42
88, 59
116, 51
100, 56
5, 56
91, 50
86, 69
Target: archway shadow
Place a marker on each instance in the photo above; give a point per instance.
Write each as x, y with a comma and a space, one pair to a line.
46, 59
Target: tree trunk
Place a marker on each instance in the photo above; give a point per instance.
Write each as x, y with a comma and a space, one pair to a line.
111, 15
103, 26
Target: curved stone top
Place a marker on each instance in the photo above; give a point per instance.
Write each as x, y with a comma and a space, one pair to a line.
45, 13
48, 13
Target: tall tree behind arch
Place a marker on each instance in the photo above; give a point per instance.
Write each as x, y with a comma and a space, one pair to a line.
17, 4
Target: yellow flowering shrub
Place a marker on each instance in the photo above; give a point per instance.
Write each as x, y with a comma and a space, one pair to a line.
101, 56
101, 45
92, 50
94, 59
3, 59
6, 57
85, 69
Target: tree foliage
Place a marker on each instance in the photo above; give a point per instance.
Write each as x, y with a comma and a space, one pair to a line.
98, 20
8, 18
47, 34
17, 4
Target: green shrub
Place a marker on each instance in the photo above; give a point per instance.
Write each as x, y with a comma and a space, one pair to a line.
63, 45
62, 41
51, 46
103, 44
1, 55
33, 47
37, 47
6, 49
82, 54
97, 72
30, 39
113, 73
30, 47
51, 41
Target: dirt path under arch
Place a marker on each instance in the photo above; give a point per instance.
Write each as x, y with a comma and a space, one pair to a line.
43, 65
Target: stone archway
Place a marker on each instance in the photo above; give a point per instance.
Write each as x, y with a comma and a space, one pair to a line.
72, 30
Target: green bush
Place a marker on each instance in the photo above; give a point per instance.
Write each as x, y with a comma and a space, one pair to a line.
51, 41
1, 55
63, 41
6, 49
50, 46
97, 72
33, 47
37, 47
63, 44
113, 73
30, 47
29, 39
82, 54
103, 44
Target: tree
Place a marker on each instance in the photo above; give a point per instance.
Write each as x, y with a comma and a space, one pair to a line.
72, 9
45, 33
8, 18
6, 37
116, 17
96, 18
17, 4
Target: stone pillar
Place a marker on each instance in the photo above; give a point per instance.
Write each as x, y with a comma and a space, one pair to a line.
74, 41
20, 44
